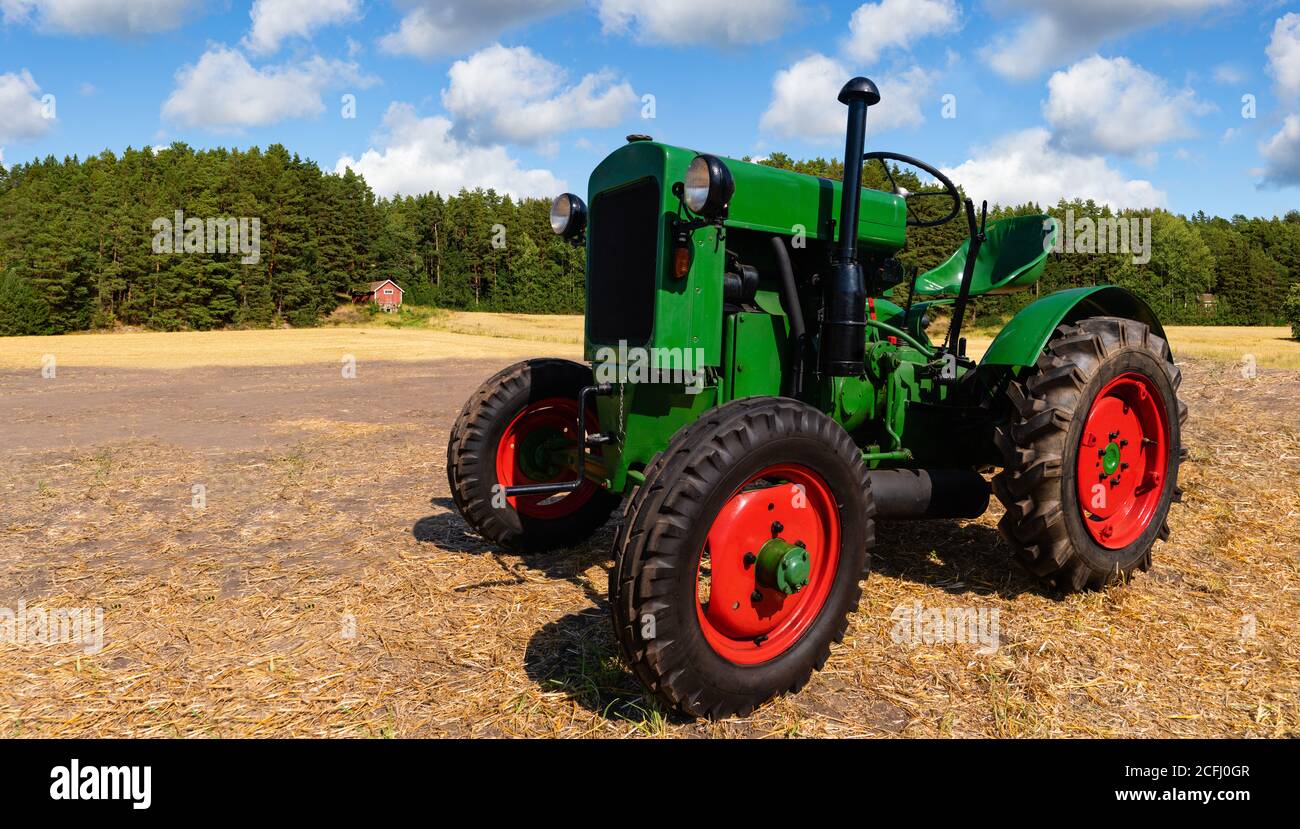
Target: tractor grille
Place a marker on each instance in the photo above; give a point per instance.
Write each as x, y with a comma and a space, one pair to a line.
623, 264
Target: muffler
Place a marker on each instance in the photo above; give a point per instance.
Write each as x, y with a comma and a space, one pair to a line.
905, 494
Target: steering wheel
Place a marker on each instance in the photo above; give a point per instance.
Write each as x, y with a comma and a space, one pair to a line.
950, 189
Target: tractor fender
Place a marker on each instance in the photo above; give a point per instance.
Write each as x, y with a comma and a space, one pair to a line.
1021, 341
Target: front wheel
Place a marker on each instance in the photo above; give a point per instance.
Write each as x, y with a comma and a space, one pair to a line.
1091, 453
741, 556
520, 427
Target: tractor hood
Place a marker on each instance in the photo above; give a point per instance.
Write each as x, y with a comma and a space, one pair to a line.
767, 199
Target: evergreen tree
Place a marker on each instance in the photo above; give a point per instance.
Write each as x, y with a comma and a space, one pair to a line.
22, 311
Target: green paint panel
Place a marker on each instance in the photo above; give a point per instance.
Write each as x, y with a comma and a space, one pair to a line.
775, 201
757, 349
648, 415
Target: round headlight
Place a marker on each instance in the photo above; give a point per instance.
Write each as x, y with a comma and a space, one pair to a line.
568, 215
709, 186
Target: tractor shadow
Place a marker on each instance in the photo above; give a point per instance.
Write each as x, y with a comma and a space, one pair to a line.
952, 556
448, 531
575, 655
578, 656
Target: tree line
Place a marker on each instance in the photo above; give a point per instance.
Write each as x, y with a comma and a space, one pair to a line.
79, 247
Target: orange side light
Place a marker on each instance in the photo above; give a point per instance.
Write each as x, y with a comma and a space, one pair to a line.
681, 260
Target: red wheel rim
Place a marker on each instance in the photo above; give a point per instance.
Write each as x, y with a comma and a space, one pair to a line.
554, 420
738, 628
1123, 453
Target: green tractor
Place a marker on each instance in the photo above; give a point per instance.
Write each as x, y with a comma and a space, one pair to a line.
759, 403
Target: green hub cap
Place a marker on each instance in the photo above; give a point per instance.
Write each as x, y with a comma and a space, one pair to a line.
1110, 459
783, 566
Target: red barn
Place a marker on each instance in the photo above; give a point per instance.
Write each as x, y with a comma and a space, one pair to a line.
386, 293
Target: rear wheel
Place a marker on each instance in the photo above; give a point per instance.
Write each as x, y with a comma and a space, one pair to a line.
520, 427
1092, 453
741, 556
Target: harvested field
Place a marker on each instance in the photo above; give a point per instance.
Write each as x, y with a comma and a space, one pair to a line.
474, 334
327, 588
455, 336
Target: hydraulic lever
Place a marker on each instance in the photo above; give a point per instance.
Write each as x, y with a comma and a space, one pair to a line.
954, 345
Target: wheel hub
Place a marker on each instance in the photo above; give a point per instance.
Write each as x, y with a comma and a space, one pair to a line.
539, 451
783, 566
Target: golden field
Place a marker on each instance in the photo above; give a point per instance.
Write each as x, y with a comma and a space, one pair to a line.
472, 335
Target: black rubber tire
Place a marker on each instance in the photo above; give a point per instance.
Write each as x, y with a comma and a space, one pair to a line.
657, 552
471, 458
1040, 445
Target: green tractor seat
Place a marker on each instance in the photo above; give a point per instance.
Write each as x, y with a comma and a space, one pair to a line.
1012, 258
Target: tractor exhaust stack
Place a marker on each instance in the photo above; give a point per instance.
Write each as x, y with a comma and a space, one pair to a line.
843, 341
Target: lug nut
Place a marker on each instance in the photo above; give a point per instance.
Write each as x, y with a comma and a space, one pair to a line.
750, 558
777, 526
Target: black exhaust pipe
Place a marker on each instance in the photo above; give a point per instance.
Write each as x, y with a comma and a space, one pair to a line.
909, 494
843, 343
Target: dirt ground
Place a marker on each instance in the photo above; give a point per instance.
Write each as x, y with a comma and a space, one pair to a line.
328, 588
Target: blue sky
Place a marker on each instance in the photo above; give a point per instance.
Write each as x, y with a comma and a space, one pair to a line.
1134, 102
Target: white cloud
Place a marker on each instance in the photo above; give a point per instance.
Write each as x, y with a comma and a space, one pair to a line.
501, 95
275, 21
804, 103
1228, 74
1024, 166
101, 17
1059, 31
431, 28
1284, 54
1282, 152
417, 155
224, 91
875, 27
691, 22
1115, 106
22, 116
